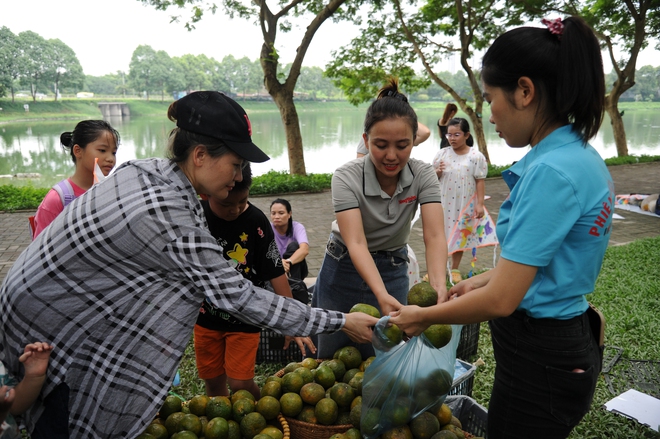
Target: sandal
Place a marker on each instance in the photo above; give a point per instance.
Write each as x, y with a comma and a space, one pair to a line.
456, 276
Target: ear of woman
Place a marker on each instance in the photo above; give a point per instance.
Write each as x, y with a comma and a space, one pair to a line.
199, 155
525, 93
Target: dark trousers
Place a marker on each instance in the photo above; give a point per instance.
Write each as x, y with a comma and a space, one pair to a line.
538, 390
54, 421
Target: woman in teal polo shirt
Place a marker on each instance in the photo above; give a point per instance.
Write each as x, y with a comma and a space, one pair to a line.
375, 198
545, 87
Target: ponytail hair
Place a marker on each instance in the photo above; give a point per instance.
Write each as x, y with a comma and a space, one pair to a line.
450, 110
565, 65
389, 104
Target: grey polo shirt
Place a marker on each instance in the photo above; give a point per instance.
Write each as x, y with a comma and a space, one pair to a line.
386, 220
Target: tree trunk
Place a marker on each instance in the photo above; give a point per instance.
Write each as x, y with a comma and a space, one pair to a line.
291, 122
612, 108
478, 127
475, 116
282, 93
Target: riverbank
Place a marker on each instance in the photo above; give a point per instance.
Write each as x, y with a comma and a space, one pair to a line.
73, 108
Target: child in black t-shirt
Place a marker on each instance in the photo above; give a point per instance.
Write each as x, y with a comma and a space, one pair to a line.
225, 347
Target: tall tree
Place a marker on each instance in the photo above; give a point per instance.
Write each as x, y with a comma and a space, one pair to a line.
9, 61
62, 66
313, 83
271, 21
149, 70
623, 26
196, 71
164, 74
32, 62
627, 25
396, 38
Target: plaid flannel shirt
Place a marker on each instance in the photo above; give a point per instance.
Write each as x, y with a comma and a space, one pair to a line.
115, 284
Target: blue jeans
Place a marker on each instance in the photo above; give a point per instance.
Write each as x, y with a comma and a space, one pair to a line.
339, 287
536, 391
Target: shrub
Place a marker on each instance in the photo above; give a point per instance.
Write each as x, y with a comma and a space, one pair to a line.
16, 198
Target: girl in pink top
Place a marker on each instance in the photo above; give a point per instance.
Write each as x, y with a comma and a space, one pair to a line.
90, 140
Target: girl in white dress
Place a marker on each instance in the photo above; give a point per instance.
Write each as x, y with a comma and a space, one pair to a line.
461, 171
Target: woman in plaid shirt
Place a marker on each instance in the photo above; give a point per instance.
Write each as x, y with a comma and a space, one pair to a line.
115, 284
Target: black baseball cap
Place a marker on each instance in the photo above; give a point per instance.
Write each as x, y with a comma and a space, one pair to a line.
216, 115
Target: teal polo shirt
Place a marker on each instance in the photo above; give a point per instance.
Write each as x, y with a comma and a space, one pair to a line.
386, 220
558, 217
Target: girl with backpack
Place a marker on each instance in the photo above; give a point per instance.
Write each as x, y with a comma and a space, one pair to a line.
90, 140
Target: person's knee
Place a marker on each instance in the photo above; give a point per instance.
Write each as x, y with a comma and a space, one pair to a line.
291, 248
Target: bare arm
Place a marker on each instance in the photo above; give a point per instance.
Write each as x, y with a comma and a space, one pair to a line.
506, 286
436, 247
352, 232
281, 286
35, 360
298, 256
481, 192
423, 133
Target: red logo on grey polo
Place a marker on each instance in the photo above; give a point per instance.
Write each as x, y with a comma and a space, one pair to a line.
411, 199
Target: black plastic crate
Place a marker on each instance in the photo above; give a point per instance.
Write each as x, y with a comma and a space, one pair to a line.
641, 375
463, 384
271, 349
469, 342
473, 416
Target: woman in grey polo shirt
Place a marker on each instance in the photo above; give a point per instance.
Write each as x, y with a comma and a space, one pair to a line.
375, 198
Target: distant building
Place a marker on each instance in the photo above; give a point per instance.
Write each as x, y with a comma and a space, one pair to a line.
84, 94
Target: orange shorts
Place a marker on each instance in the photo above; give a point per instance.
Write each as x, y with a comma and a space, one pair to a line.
231, 353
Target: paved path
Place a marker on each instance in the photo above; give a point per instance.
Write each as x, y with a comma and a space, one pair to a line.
316, 213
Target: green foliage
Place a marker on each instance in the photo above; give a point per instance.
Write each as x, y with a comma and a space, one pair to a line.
16, 198
495, 170
630, 159
281, 182
361, 68
273, 182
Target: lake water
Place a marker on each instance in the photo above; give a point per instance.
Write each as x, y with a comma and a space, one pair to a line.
330, 139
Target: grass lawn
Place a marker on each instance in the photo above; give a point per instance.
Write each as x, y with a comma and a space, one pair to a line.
627, 292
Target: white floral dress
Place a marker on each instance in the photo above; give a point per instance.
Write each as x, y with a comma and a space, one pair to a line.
458, 181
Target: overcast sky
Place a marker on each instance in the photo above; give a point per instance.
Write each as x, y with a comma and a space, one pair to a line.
104, 34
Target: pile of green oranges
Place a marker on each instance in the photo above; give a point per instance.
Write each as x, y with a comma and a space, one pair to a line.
237, 417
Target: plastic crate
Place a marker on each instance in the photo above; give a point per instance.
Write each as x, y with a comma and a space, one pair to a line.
473, 416
469, 342
271, 349
463, 383
622, 374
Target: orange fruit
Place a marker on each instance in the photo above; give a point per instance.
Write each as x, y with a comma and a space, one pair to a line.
268, 407
217, 428
252, 424
197, 404
312, 393
291, 404
191, 423
326, 411
218, 406
292, 382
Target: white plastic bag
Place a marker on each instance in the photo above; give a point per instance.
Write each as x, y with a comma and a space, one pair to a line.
413, 268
